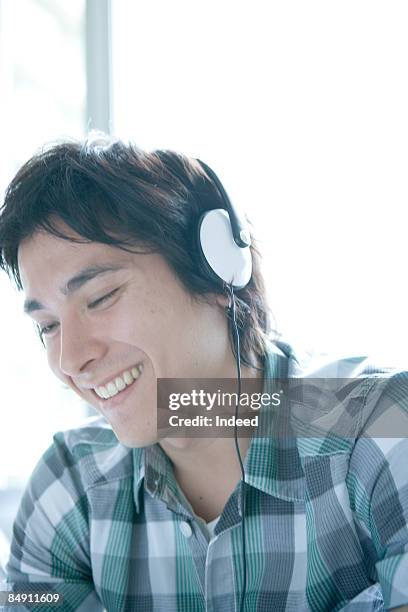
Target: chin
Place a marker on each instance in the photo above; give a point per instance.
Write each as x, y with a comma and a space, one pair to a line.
133, 440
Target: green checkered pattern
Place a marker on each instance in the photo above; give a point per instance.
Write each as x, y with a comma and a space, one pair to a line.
326, 522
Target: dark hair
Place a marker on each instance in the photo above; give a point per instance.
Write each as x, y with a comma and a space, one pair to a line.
114, 193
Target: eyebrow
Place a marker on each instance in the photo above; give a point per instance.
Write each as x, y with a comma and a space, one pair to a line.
75, 283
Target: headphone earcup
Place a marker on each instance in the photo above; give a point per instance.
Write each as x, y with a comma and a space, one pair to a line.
223, 260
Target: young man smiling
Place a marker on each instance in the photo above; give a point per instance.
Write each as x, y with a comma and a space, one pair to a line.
101, 238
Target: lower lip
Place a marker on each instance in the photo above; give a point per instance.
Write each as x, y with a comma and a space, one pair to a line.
112, 402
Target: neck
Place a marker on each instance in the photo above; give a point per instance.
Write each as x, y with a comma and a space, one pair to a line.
208, 469
208, 472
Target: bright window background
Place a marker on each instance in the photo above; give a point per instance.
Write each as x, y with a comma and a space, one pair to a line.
42, 82
301, 108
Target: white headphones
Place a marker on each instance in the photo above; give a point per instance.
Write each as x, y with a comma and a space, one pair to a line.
224, 241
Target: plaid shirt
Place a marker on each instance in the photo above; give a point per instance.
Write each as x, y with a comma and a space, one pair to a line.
327, 523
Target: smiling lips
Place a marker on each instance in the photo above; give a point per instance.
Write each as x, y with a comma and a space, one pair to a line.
120, 382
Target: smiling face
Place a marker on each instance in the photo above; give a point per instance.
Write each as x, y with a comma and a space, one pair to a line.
113, 322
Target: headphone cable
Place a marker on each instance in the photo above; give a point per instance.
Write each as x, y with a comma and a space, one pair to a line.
243, 481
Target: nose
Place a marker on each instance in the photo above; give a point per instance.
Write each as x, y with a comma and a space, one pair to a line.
79, 347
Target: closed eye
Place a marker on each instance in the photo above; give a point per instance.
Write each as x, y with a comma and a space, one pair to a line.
102, 299
47, 329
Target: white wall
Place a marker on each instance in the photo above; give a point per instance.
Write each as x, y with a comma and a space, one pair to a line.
42, 84
301, 109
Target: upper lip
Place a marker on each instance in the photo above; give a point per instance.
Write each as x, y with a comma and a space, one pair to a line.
108, 378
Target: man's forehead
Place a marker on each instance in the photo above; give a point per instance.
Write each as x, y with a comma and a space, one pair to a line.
43, 248
48, 263
77, 281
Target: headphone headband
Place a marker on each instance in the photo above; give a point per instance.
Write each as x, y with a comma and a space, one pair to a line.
224, 241
239, 231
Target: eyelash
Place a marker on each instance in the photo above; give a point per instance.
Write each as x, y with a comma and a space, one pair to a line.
103, 298
43, 331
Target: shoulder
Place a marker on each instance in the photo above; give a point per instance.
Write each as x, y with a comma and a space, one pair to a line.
305, 361
335, 399
80, 458
58, 489
382, 443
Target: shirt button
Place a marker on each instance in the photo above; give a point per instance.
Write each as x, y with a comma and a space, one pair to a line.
185, 529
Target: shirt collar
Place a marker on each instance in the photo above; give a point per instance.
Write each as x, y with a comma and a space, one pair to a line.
272, 464
153, 467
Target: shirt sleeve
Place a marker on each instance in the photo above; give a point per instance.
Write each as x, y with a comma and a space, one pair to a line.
50, 544
378, 479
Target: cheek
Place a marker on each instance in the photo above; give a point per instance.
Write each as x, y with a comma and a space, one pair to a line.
144, 324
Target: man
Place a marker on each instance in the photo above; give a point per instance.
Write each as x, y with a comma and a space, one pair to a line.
101, 237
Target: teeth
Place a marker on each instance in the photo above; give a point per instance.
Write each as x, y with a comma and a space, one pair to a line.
111, 388
119, 383
127, 377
